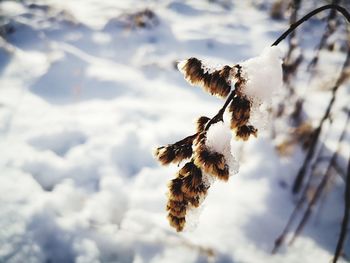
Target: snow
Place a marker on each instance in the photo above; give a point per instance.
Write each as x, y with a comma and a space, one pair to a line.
263, 74
83, 101
218, 140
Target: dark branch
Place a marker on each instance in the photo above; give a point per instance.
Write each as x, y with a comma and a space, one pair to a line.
220, 115
321, 188
340, 9
345, 223
303, 170
330, 28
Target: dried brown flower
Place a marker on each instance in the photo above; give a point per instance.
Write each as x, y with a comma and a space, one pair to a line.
240, 80
185, 191
177, 222
239, 108
195, 201
211, 162
175, 153
177, 204
177, 208
244, 132
190, 187
201, 123
216, 83
175, 191
192, 181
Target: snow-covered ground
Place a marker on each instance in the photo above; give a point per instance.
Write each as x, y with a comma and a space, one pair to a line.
85, 97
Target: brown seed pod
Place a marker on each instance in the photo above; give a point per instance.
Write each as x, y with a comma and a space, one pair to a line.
243, 132
240, 80
210, 162
201, 123
175, 153
195, 201
175, 191
192, 182
187, 169
223, 174
185, 191
177, 208
177, 222
165, 154
177, 205
216, 83
239, 108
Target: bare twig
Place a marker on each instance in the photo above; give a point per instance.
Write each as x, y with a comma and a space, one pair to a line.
303, 170
320, 187
290, 64
293, 18
330, 28
345, 222
340, 9
280, 240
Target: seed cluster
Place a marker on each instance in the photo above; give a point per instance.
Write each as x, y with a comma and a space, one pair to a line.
240, 109
216, 83
211, 162
185, 191
189, 188
175, 153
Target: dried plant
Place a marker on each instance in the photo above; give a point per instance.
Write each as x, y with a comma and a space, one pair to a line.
204, 161
191, 184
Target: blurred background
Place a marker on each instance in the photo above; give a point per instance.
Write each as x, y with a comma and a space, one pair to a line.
88, 89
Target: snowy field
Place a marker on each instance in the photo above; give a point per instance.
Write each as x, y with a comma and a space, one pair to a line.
86, 94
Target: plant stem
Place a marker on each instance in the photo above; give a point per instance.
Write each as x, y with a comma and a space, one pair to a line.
340, 9
346, 216
219, 116
327, 176
304, 168
330, 28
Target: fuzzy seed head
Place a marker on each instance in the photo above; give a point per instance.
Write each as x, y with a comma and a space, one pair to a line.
217, 82
239, 108
211, 162
175, 153
244, 132
186, 191
201, 123
177, 222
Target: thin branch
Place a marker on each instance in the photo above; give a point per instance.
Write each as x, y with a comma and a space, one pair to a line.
340, 9
290, 65
328, 31
345, 222
293, 18
280, 240
301, 174
321, 187
220, 115
312, 203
